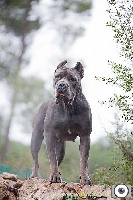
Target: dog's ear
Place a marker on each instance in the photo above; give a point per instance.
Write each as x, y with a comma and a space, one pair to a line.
80, 69
62, 64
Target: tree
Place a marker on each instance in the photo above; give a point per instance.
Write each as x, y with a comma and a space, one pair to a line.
121, 138
16, 26
19, 28
66, 13
18, 22
121, 23
31, 92
121, 13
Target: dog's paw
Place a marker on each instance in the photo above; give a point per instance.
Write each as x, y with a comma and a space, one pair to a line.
55, 178
85, 181
33, 175
34, 170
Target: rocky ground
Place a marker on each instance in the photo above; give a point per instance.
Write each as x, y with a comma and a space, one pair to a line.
11, 188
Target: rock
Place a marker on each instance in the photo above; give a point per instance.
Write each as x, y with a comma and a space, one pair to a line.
5, 192
9, 176
40, 189
9, 184
12, 188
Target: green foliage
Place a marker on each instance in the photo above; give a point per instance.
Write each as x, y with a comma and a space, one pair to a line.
108, 169
123, 76
22, 174
103, 169
102, 175
13, 15
70, 165
124, 80
123, 140
31, 93
69, 11
120, 172
76, 6
121, 169
100, 155
1, 123
120, 13
70, 197
19, 157
18, 19
17, 24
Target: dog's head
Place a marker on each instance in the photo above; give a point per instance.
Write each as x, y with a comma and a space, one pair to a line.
67, 82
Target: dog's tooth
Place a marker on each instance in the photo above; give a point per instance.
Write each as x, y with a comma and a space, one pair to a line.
56, 101
69, 132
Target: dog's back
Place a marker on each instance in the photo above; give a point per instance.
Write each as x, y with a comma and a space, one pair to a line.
40, 116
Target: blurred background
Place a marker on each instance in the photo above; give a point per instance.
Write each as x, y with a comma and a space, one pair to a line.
35, 36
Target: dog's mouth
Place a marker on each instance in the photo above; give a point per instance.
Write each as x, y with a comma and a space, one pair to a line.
61, 97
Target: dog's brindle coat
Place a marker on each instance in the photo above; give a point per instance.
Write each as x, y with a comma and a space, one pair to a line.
61, 120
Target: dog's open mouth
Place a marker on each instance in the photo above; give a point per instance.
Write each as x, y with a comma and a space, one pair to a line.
61, 97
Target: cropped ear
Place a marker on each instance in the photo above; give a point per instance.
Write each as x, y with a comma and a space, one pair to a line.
80, 69
62, 64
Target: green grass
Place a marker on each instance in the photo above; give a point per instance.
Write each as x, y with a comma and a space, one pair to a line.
20, 160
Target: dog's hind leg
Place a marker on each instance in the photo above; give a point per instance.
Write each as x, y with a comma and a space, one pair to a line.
60, 150
36, 141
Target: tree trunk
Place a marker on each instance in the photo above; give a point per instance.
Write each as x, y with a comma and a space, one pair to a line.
16, 82
7, 128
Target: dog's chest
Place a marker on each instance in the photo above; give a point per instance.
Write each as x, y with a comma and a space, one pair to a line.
67, 133
68, 125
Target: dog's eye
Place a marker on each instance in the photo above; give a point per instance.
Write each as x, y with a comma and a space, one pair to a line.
58, 77
71, 78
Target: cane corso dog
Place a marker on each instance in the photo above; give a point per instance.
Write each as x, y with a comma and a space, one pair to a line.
62, 119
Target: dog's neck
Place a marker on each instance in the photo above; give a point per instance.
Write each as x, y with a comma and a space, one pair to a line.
73, 105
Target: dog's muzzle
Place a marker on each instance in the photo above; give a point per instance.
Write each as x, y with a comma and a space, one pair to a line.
62, 88
62, 93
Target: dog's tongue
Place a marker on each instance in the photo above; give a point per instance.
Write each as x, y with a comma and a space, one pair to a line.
62, 95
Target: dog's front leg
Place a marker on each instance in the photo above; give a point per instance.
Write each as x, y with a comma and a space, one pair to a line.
84, 154
50, 145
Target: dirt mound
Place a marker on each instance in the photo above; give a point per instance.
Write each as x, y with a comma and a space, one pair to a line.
11, 188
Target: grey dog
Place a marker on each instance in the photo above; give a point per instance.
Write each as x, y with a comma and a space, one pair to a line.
63, 119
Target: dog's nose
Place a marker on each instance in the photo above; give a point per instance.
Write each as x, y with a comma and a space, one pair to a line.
62, 87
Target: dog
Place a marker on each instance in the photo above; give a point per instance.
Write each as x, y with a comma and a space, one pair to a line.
62, 119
